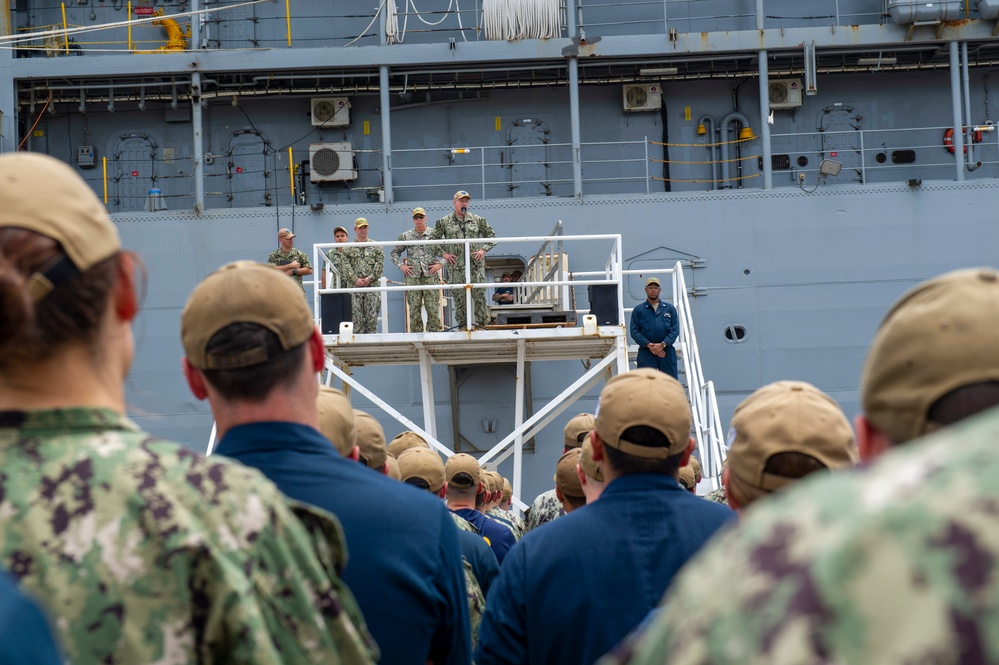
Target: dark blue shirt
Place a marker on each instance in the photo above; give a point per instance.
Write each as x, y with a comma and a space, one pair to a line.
480, 557
568, 593
649, 325
25, 636
404, 563
500, 538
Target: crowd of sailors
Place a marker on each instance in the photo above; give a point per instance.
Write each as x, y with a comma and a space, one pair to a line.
312, 538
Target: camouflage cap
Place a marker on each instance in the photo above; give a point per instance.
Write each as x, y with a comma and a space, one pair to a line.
566, 479
580, 424
336, 419
419, 211
685, 477
644, 397
422, 463
938, 337
45, 195
359, 222
371, 440
462, 463
587, 463
393, 468
404, 441
285, 233
243, 292
782, 417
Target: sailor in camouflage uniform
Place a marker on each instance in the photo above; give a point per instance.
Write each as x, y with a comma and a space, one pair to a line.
141, 550
335, 255
289, 259
546, 506
421, 267
892, 563
363, 267
459, 225
503, 510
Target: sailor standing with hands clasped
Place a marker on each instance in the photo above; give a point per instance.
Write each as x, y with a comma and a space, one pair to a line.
655, 327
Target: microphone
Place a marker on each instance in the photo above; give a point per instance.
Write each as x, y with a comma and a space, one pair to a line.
464, 209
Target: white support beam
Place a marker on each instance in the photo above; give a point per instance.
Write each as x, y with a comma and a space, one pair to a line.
518, 421
427, 392
386, 407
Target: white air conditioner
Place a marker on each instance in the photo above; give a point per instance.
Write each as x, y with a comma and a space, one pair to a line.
642, 97
330, 162
785, 93
330, 112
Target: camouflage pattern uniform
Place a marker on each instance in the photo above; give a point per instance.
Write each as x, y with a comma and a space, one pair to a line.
509, 520
544, 509
718, 496
143, 551
476, 599
420, 257
279, 258
361, 262
891, 564
336, 258
452, 228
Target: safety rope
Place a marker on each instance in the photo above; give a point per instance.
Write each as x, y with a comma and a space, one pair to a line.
717, 161
703, 145
738, 177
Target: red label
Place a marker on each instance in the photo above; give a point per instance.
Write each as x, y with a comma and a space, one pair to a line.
239, 169
832, 154
135, 174
143, 11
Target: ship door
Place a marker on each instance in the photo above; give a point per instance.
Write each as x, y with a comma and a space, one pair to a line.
528, 166
237, 26
839, 128
247, 175
134, 170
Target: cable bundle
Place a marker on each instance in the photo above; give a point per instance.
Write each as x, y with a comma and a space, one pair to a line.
521, 19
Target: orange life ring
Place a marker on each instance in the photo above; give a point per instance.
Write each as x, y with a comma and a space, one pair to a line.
948, 139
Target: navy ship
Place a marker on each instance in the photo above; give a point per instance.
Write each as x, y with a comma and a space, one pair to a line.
801, 164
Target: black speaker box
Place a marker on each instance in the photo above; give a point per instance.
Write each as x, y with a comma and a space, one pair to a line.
334, 308
603, 304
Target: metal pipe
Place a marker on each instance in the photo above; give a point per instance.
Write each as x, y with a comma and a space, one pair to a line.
577, 164
197, 122
195, 26
709, 127
768, 167
955, 99
383, 76
723, 130
972, 165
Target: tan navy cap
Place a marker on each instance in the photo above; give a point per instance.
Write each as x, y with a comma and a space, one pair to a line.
404, 441
566, 479
370, 439
580, 424
45, 195
462, 463
243, 292
938, 337
644, 397
422, 463
336, 419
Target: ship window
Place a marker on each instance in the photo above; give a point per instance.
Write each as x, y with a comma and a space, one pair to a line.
802, 161
881, 158
903, 157
735, 334
777, 162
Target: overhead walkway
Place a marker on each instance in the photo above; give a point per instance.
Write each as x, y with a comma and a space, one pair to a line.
600, 342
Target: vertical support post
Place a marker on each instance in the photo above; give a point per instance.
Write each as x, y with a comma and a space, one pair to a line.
469, 321
287, 19
197, 122
383, 299
577, 164
427, 390
768, 174
452, 372
383, 95
128, 16
65, 26
955, 99
647, 189
518, 420
291, 173
104, 165
195, 25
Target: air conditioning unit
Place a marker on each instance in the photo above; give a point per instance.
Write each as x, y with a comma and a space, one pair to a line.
331, 162
643, 97
330, 112
785, 93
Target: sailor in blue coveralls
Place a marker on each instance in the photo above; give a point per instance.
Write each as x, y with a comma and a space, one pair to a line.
655, 327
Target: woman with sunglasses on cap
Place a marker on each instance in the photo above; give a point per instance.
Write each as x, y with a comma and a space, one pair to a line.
140, 550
